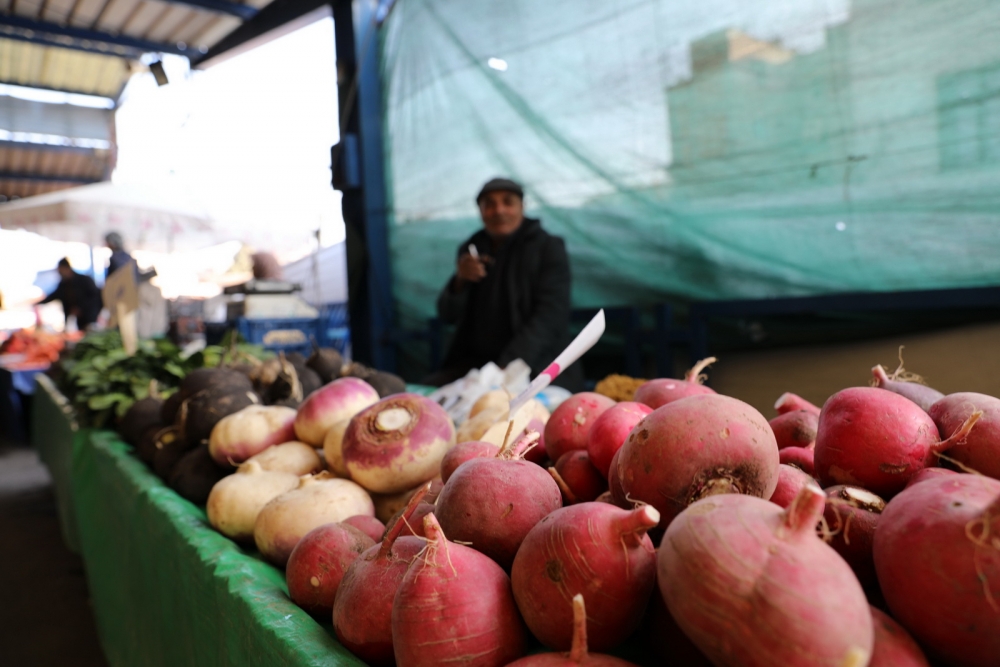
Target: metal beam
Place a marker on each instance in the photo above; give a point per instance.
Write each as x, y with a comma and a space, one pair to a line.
31, 146
271, 17
82, 39
244, 12
45, 178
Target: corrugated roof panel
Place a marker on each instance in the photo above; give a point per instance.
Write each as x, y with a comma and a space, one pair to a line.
116, 14
54, 162
56, 11
64, 69
25, 8
86, 12
172, 18
216, 30
142, 19
190, 31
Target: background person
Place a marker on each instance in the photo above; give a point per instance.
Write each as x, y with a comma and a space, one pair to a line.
119, 257
79, 295
513, 300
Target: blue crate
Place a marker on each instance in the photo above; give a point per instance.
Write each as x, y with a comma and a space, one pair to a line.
334, 329
282, 335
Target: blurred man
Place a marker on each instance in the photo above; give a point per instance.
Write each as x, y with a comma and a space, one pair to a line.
510, 294
119, 257
79, 295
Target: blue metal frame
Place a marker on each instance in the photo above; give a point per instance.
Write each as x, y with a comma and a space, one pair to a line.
45, 178
82, 39
369, 100
245, 12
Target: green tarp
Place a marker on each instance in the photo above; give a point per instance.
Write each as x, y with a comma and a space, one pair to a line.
700, 151
56, 435
168, 591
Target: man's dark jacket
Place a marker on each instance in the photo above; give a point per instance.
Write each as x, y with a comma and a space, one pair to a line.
537, 276
78, 295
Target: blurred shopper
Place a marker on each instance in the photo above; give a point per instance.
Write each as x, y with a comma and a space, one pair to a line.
119, 257
79, 295
510, 298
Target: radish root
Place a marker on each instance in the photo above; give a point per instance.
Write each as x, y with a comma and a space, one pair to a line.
695, 375
984, 540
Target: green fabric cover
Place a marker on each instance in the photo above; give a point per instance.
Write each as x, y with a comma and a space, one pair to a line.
701, 150
55, 434
169, 591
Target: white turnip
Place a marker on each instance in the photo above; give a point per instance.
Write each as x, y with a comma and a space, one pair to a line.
318, 562
294, 457
236, 500
333, 449
398, 443
332, 403
318, 499
250, 431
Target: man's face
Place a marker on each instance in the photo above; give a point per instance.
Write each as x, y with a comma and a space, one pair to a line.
65, 271
502, 213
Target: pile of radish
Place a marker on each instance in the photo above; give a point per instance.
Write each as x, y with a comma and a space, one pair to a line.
683, 527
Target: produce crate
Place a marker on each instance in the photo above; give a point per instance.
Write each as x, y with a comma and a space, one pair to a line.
282, 335
334, 329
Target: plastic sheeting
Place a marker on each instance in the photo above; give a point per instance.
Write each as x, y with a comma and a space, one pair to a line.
713, 150
168, 590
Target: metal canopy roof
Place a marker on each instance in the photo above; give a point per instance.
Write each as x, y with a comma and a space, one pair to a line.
91, 47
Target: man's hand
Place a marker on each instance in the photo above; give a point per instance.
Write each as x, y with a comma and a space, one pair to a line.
469, 270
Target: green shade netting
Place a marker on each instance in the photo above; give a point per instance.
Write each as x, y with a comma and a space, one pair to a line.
715, 150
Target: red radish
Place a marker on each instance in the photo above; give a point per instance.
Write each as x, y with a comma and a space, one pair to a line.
795, 429
851, 517
665, 639
398, 443
789, 402
752, 584
362, 610
318, 563
253, 429
414, 524
790, 482
937, 554
906, 384
697, 447
877, 440
492, 503
929, 473
331, 403
981, 451
578, 653
597, 550
537, 454
659, 392
569, 426
618, 496
368, 525
894, 647
605, 498
455, 606
610, 431
465, 451
578, 480
800, 457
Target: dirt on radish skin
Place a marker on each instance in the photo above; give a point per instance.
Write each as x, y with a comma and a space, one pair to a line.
492, 503
799, 457
981, 451
318, 562
920, 394
578, 653
659, 392
454, 606
937, 556
610, 431
752, 584
578, 480
697, 447
789, 402
894, 647
597, 550
362, 610
851, 516
790, 482
878, 440
569, 426
795, 429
